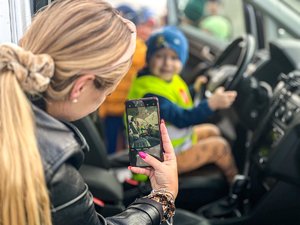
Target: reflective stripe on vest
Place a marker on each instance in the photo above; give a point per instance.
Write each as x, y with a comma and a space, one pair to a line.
181, 138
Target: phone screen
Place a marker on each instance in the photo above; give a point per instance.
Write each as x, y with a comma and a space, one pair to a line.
143, 130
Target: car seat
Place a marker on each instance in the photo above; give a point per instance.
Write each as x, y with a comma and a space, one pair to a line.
195, 189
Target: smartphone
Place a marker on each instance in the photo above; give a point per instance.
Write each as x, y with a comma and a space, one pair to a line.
143, 130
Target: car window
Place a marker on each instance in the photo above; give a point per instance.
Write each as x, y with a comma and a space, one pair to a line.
222, 19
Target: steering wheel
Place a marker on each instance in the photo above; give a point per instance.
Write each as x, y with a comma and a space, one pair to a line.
230, 66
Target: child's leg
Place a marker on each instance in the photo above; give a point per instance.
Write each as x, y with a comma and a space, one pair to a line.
210, 150
206, 130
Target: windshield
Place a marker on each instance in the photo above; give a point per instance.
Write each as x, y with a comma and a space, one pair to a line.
221, 20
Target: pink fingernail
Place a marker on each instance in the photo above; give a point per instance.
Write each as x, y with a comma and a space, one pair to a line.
142, 155
163, 121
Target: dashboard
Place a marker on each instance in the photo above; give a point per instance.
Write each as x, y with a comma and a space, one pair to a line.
277, 151
283, 57
268, 106
263, 74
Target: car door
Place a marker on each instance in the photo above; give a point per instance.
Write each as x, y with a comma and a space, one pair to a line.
15, 16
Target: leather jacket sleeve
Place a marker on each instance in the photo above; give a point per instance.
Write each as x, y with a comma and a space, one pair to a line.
72, 203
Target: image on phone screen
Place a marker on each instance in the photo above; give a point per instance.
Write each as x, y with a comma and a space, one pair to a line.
143, 129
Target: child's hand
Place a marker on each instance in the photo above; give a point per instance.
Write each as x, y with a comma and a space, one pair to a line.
199, 81
221, 99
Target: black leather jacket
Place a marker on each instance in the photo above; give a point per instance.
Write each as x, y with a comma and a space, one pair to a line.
61, 147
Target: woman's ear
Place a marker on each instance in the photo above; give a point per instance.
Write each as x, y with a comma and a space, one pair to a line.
79, 85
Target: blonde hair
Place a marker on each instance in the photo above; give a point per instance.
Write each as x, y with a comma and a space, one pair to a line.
90, 38
23, 192
65, 40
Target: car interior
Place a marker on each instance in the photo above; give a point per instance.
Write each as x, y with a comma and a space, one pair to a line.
262, 126
266, 189
261, 62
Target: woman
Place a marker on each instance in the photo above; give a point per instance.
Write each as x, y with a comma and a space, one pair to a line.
73, 55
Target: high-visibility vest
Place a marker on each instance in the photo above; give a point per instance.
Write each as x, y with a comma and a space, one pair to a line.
175, 91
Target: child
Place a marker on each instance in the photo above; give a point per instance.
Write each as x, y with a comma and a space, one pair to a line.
167, 51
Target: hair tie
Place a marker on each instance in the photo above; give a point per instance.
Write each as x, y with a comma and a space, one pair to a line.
32, 71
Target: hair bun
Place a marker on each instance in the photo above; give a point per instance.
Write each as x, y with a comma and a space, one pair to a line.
32, 71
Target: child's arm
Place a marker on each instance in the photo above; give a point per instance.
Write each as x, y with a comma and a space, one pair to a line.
180, 117
221, 99
196, 86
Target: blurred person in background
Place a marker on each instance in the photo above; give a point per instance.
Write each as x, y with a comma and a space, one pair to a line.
214, 22
207, 15
113, 108
193, 11
147, 23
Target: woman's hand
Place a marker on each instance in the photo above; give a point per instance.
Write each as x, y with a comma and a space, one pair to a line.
221, 99
163, 175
